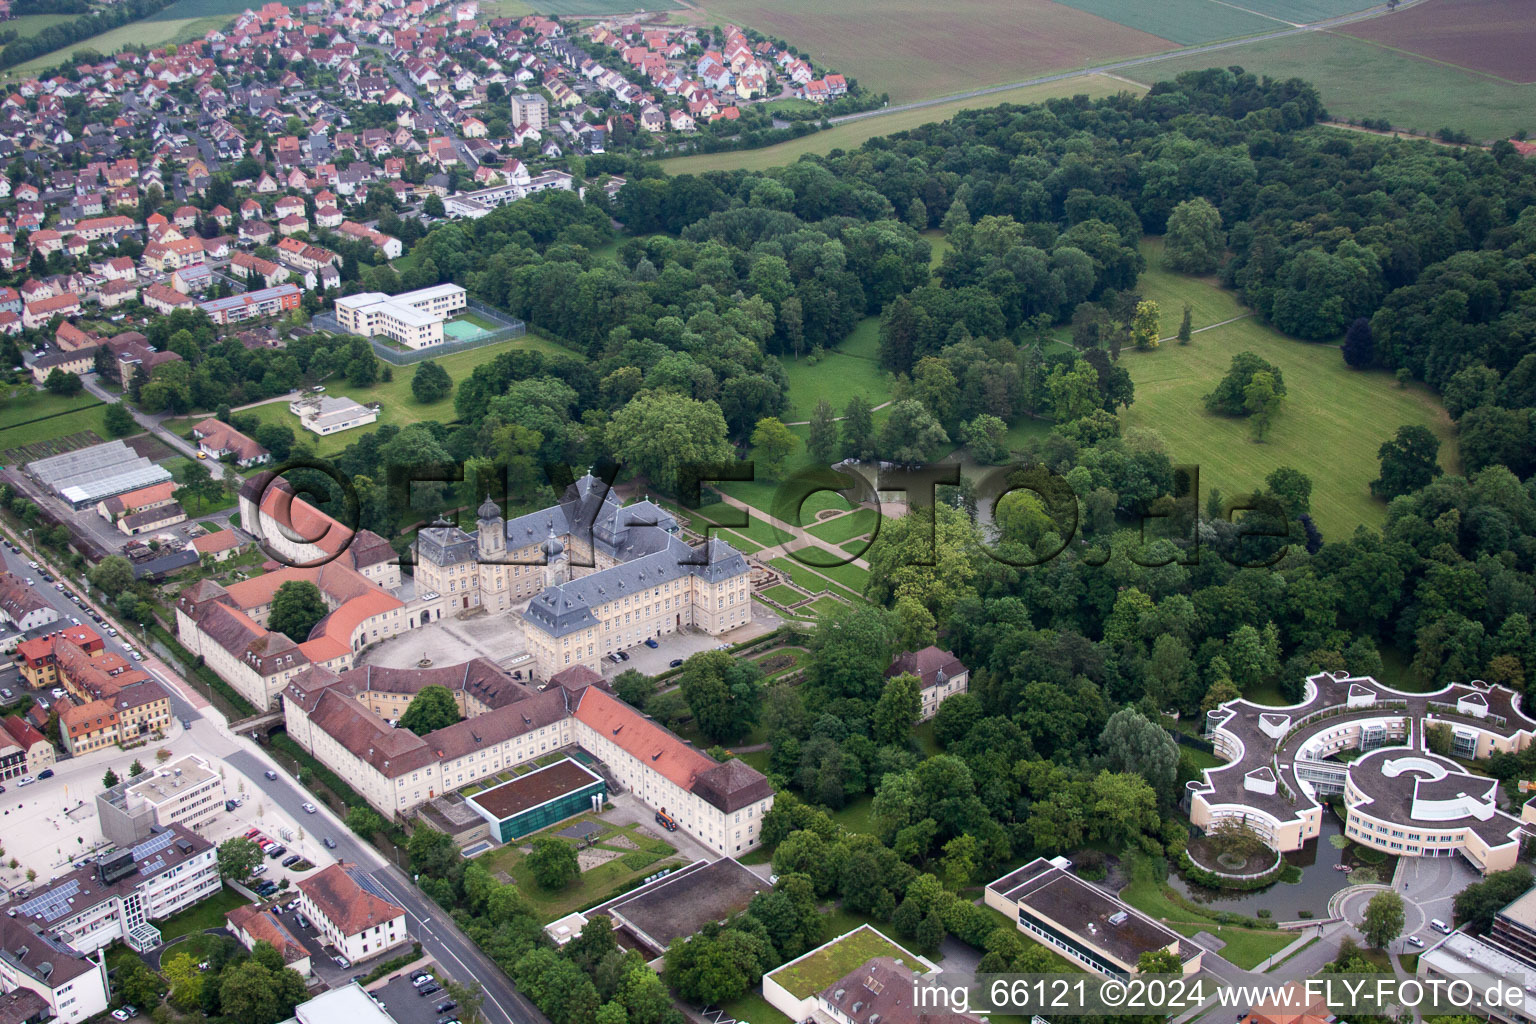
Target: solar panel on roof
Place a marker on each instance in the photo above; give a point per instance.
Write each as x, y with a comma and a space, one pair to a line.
51, 905
153, 845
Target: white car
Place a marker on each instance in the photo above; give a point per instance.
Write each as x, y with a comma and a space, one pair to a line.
25, 780
1416, 941
123, 1013
309, 808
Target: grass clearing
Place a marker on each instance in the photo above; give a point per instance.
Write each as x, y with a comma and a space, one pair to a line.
1358, 79
593, 885
1245, 947
399, 407
807, 579
846, 371
782, 595
753, 1007
1333, 422
201, 916
852, 134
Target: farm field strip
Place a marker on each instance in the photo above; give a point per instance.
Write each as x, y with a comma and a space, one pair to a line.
1491, 37
1184, 21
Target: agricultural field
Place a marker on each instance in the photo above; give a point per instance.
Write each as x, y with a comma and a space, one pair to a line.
914, 50
598, 8
852, 134
1333, 422
1492, 37
1358, 79
29, 417
180, 22
1182, 21
29, 25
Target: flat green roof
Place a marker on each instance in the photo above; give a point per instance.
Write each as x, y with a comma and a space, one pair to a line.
820, 968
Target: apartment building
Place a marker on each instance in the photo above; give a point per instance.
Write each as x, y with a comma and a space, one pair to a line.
414, 319
359, 923
188, 792
45, 979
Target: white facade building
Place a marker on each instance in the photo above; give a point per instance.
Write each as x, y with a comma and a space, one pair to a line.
414, 319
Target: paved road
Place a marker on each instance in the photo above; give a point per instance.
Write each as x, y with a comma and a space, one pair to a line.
1132, 62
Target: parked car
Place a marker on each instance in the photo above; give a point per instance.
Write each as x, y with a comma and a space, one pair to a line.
675, 663
290, 860
309, 808
1416, 941
431, 988
446, 1005
650, 642
252, 833
623, 656
270, 774
421, 979
26, 780
330, 844
135, 655
46, 773
614, 657
6, 693
277, 851
124, 1013
342, 961
57, 691
110, 630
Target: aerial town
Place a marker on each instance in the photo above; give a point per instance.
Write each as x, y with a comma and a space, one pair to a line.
557, 512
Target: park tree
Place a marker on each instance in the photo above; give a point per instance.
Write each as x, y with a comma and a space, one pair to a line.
910, 434
110, 779
724, 694
1479, 902
64, 383
137, 984
136, 769
253, 993
1186, 331
1133, 743
296, 608
1194, 240
772, 444
1262, 398
1145, 325
1408, 462
986, 437
1359, 346
276, 438
1159, 961
822, 442
185, 979
119, 420
430, 383
897, 710
1383, 919
1230, 398
112, 575
1292, 488
634, 688
1124, 807
1074, 392
858, 434
658, 432
431, 709
238, 858
197, 484
552, 863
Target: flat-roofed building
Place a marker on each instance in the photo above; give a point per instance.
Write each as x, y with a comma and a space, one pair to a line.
1481, 965
188, 792
117, 897
537, 800
414, 319
323, 414
1083, 922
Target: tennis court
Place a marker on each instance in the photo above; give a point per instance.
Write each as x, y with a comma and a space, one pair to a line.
460, 329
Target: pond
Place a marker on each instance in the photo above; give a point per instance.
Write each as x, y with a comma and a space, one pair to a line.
1320, 879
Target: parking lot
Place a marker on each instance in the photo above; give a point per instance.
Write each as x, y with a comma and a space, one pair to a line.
407, 1006
256, 812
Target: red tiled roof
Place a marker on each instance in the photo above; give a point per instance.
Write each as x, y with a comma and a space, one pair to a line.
347, 905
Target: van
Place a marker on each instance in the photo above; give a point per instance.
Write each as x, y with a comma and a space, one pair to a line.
1440, 926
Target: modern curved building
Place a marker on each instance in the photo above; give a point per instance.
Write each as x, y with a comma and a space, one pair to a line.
1365, 742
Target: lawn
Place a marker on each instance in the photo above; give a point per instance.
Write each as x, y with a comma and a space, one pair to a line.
29, 25
857, 815
399, 407
594, 885
852, 134
854, 524
1358, 79
806, 578
753, 1008
848, 370
819, 969
780, 594
1332, 424
201, 916
823, 606
25, 403
1245, 947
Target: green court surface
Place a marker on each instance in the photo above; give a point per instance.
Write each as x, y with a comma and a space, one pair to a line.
463, 330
